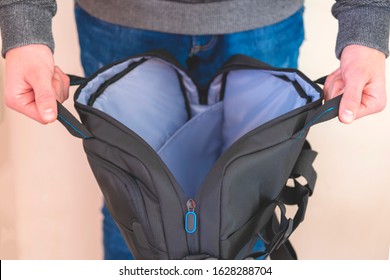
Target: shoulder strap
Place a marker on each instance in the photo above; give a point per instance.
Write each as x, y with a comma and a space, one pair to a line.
277, 231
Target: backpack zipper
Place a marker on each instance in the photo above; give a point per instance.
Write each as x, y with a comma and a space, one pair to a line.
190, 224
190, 219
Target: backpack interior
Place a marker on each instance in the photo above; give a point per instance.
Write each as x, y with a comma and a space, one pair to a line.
160, 103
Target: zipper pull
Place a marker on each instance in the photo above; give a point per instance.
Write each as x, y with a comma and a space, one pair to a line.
190, 220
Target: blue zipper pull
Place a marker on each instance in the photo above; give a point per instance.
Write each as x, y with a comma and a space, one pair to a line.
190, 221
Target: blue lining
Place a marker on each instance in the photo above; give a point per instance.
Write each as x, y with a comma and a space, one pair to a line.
73, 127
149, 101
315, 120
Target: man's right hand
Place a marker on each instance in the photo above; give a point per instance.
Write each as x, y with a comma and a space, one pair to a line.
33, 83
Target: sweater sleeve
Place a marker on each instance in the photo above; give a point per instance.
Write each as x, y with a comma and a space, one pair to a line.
362, 22
24, 22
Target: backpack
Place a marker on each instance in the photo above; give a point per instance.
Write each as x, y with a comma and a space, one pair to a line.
190, 173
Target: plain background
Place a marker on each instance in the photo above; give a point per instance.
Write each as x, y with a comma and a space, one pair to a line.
50, 203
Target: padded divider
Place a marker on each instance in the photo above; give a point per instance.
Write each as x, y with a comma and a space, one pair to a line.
215, 88
254, 97
193, 150
148, 100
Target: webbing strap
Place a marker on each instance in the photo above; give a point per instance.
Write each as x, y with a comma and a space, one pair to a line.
279, 230
71, 123
304, 167
299, 194
284, 252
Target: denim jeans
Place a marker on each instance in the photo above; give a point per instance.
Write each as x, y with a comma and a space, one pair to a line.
102, 43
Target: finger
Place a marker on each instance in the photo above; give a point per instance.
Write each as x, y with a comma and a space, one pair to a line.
60, 83
19, 96
57, 85
334, 88
24, 104
31, 111
330, 80
351, 101
65, 83
45, 97
373, 99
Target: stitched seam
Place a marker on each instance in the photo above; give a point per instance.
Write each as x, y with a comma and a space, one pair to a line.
209, 44
196, 48
315, 120
73, 127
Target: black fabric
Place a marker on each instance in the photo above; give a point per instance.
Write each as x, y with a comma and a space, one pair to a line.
285, 252
236, 202
71, 123
327, 111
76, 80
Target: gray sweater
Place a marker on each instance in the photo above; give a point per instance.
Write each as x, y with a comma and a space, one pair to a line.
363, 22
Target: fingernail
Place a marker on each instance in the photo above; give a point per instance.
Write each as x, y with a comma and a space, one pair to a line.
348, 116
49, 114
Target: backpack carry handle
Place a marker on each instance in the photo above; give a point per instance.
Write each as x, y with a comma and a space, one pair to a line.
327, 111
71, 123
76, 80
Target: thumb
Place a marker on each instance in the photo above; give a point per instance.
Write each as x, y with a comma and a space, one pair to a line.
351, 100
45, 97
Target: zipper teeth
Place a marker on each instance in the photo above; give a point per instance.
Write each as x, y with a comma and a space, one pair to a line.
191, 217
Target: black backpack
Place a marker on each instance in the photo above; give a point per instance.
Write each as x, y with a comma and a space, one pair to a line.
190, 173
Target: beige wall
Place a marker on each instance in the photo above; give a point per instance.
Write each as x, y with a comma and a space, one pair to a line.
50, 203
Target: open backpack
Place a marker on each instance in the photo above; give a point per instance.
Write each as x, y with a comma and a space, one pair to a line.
200, 174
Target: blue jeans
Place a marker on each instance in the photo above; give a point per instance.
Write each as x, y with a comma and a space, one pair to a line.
102, 43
